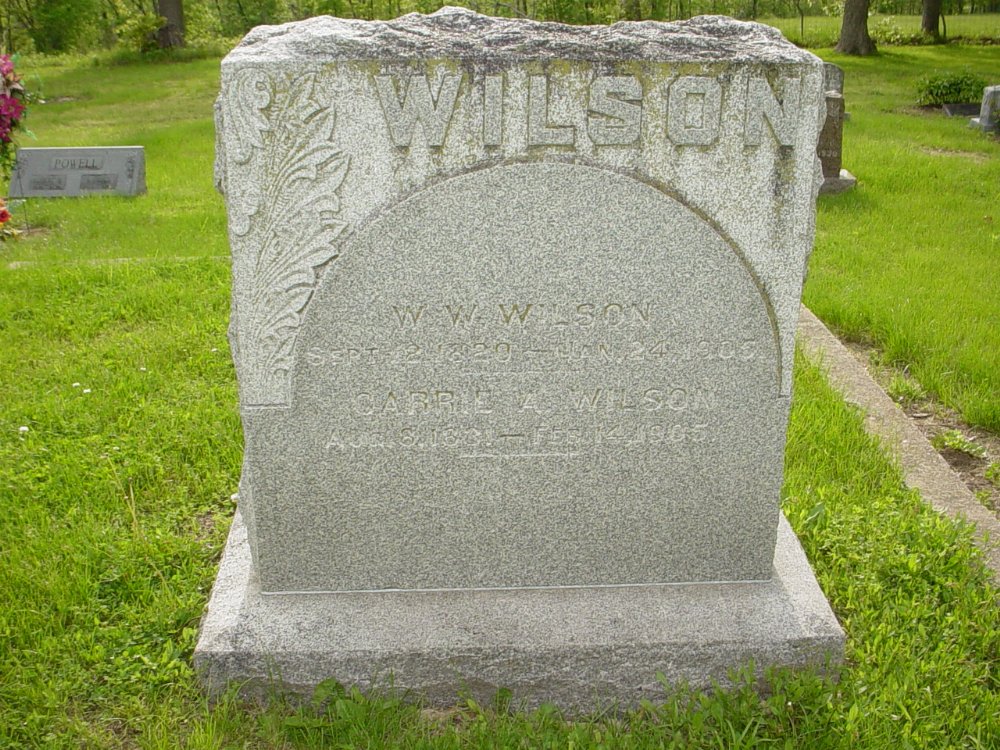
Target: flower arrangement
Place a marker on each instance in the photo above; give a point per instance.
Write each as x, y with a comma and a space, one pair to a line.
6, 230
12, 109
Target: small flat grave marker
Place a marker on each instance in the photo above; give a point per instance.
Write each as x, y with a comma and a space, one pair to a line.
72, 172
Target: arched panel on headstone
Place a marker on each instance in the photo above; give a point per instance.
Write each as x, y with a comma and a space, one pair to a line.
513, 315
504, 383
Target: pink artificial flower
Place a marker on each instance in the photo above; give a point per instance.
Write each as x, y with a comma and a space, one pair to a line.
6, 66
10, 108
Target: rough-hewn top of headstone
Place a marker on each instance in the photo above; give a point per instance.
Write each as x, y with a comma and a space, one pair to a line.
463, 34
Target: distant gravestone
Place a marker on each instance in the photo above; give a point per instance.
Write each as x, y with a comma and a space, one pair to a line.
836, 179
833, 83
832, 136
989, 112
513, 322
72, 172
960, 109
833, 78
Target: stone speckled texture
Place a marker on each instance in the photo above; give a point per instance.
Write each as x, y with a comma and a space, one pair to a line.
493, 454
459, 33
582, 648
735, 141
513, 316
834, 78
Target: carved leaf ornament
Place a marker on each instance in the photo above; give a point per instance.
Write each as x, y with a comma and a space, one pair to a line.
282, 179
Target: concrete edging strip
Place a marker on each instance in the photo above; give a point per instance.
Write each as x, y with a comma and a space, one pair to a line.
923, 468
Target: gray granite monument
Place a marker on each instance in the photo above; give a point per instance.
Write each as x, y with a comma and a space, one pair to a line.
513, 318
72, 172
989, 111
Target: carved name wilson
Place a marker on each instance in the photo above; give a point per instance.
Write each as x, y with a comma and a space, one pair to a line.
615, 107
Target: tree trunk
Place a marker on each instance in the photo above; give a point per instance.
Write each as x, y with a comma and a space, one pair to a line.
171, 34
631, 10
854, 37
929, 19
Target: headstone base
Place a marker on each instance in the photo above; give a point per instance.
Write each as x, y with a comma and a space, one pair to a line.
581, 648
834, 185
961, 109
977, 123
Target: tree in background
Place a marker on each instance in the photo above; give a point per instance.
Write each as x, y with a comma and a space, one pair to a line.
631, 10
854, 36
53, 26
931, 13
171, 34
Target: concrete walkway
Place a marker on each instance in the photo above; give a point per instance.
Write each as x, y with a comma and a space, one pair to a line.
923, 467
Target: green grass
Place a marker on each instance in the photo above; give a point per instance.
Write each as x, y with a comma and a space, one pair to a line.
166, 108
117, 501
908, 260
116, 498
823, 31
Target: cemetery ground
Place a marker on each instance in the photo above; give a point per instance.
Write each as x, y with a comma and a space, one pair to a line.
120, 448
823, 31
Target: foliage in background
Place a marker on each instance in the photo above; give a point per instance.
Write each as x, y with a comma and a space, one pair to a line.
888, 31
947, 88
53, 26
138, 32
896, 30
13, 110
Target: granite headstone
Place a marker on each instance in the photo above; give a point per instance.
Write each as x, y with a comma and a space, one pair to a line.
836, 179
72, 172
833, 78
989, 111
513, 320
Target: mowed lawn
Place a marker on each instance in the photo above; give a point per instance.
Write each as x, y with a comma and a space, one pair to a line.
910, 260
823, 31
167, 108
120, 448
